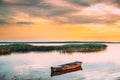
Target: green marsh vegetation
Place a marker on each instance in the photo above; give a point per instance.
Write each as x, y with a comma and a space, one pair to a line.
85, 48
91, 47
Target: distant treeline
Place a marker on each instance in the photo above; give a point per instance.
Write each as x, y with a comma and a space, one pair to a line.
57, 42
7, 49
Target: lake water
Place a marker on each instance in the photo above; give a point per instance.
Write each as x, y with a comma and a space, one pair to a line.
103, 65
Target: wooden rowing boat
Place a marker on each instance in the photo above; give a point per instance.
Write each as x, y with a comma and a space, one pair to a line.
56, 73
66, 67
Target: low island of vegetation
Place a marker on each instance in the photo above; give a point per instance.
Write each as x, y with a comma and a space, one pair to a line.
91, 47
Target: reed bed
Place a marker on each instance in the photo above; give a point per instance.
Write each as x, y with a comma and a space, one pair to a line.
8, 49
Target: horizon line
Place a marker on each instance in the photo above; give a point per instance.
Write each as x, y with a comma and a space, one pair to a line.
59, 42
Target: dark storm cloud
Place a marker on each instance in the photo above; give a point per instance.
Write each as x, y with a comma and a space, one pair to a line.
36, 8
26, 3
79, 2
41, 9
1, 1
3, 22
23, 22
84, 3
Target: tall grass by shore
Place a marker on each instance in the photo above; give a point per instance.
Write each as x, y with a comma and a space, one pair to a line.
16, 77
7, 49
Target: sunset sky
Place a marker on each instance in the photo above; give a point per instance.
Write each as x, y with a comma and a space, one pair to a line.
60, 20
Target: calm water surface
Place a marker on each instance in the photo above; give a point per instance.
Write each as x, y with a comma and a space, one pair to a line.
104, 65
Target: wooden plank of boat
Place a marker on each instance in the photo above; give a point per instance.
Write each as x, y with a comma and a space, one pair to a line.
55, 73
68, 66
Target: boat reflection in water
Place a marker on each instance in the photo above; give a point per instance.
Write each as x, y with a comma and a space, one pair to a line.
66, 68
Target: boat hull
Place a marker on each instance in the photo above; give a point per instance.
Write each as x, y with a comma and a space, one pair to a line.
55, 73
66, 67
